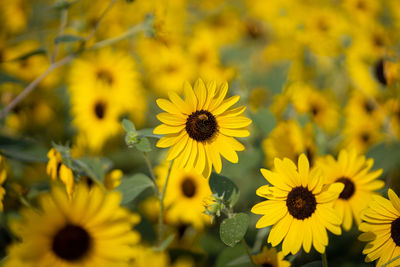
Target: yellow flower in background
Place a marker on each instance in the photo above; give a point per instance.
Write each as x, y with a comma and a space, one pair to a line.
298, 206
185, 195
89, 229
56, 169
392, 109
270, 257
320, 105
381, 227
354, 171
363, 105
147, 256
3, 176
113, 179
289, 140
112, 74
200, 128
96, 116
13, 16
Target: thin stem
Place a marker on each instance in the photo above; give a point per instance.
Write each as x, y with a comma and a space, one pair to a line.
152, 176
324, 260
33, 85
161, 217
63, 24
248, 251
391, 261
96, 26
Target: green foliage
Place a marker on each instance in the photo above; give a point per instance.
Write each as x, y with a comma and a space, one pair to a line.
94, 167
233, 229
313, 264
386, 156
135, 138
225, 188
39, 51
6, 78
165, 243
131, 187
229, 255
24, 150
264, 120
67, 38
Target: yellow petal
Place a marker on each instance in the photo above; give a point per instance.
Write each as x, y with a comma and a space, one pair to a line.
233, 112
394, 199
233, 122
227, 103
226, 151
168, 106
190, 97
201, 158
176, 149
234, 132
280, 230
214, 157
232, 142
166, 129
211, 87
192, 156
179, 103
171, 119
223, 89
304, 168
201, 93
170, 139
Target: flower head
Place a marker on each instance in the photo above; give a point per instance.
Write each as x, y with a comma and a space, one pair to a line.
56, 169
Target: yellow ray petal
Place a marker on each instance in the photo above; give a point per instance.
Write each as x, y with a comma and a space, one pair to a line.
168, 106
165, 129
171, 119
201, 93
227, 103
233, 122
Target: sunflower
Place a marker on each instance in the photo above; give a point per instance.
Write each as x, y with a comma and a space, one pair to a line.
185, 196
299, 206
89, 229
381, 227
3, 176
56, 169
359, 183
270, 257
201, 128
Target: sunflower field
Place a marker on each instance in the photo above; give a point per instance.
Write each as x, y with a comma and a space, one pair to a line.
199, 133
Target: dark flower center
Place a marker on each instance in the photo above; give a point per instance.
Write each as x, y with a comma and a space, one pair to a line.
380, 72
267, 265
395, 231
349, 188
188, 187
201, 125
365, 137
100, 109
369, 106
105, 76
301, 203
71, 243
315, 110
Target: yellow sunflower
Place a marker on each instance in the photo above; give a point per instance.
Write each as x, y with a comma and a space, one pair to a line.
56, 169
201, 128
3, 176
89, 229
185, 196
381, 227
299, 206
270, 257
359, 183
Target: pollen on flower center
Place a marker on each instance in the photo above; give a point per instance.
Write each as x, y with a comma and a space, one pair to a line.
71, 243
395, 231
201, 125
100, 109
301, 203
349, 188
188, 187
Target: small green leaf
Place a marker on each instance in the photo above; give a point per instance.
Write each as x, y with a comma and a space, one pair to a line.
6, 78
165, 243
232, 230
67, 38
39, 51
223, 186
131, 187
143, 145
128, 125
95, 168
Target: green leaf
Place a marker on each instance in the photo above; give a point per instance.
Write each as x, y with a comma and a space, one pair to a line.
144, 145
386, 156
131, 187
128, 125
223, 186
95, 168
264, 120
6, 78
38, 51
63, 4
20, 149
232, 230
244, 259
313, 264
229, 254
66, 38
165, 243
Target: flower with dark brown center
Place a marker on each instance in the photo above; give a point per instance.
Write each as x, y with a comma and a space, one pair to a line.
188, 187
201, 125
369, 106
349, 188
71, 243
100, 109
365, 137
395, 231
380, 72
105, 76
301, 203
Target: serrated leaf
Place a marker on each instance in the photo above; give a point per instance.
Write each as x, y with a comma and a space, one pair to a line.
128, 125
143, 145
223, 186
232, 230
165, 243
131, 187
67, 38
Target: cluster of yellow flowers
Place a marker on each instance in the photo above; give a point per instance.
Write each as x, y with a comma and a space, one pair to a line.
322, 83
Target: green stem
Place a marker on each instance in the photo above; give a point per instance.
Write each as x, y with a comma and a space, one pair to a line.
391, 261
152, 176
63, 24
324, 260
248, 251
161, 216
